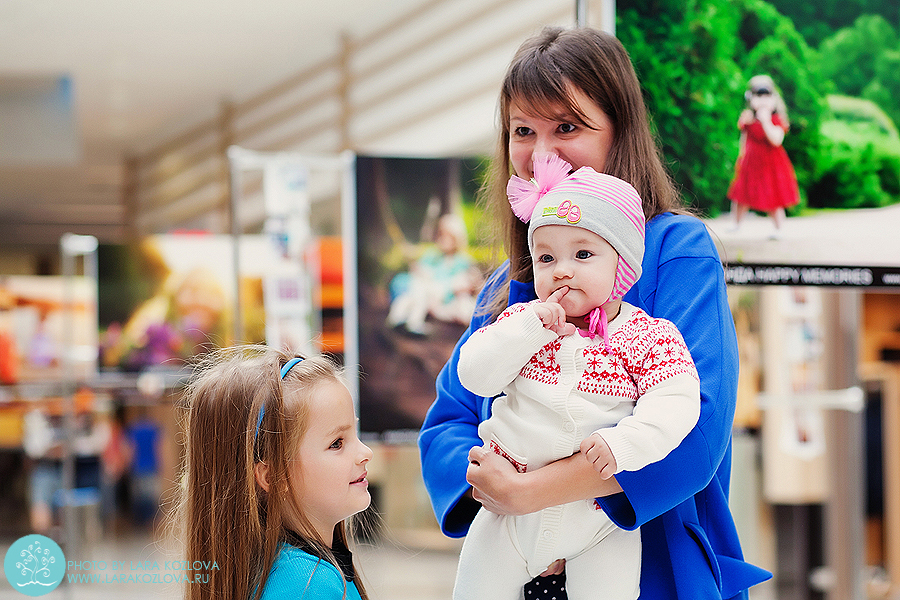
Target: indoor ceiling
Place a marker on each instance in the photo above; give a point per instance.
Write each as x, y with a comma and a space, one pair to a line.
137, 73
85, 84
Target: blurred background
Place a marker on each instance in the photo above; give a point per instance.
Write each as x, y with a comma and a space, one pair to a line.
179, 176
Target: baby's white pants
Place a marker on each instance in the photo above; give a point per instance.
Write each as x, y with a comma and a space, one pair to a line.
502, 553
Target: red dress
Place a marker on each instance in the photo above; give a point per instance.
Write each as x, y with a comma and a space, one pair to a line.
764, 177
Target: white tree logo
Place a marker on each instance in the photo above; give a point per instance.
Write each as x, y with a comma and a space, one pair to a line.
35, 565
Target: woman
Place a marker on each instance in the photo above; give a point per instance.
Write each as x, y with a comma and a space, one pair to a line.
574, 93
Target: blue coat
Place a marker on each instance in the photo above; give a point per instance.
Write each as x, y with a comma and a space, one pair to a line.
690, 545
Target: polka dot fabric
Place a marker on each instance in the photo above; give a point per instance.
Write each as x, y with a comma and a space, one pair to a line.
547, 588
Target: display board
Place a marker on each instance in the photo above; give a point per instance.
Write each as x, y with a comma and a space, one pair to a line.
41, 316
171, 298
420, 266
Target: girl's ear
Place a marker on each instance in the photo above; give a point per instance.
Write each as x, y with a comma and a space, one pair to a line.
261, 473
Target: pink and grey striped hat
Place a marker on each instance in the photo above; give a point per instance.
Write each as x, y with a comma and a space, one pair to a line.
598, 202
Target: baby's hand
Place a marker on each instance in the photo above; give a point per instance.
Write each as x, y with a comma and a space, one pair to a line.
597, 452
552, 314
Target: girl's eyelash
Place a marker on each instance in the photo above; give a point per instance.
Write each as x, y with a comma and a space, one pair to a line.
337, 443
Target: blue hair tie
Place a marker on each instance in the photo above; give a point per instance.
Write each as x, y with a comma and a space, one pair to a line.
262, 409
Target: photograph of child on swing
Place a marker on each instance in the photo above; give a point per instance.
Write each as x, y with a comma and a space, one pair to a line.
421, 266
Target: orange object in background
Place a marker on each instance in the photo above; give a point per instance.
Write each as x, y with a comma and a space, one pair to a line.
331, 293
332, 338
9, 360
331, 269
331, 272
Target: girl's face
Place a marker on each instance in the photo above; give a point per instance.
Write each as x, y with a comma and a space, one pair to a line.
446, 241
575, 258
763, 102
531, 135
329, 470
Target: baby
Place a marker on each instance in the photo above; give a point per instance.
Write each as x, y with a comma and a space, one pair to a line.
577, 370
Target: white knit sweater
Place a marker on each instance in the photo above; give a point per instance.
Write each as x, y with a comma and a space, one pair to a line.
643, 398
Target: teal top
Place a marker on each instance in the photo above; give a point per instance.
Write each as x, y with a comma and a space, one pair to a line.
301, 575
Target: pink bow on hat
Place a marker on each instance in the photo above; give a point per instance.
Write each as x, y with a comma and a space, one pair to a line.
549, 171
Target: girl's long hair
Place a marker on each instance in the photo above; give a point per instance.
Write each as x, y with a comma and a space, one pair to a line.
228, 518
540, 77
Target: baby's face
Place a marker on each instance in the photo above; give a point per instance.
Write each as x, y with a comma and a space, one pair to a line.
568, 256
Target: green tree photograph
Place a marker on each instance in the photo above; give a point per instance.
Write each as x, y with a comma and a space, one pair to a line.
836, 65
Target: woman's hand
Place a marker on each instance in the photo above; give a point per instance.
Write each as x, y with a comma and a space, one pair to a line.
504, 491
493, 480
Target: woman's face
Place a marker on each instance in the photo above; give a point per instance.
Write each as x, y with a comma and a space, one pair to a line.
564, 135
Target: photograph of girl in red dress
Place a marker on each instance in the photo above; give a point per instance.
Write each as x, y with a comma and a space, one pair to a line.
764, 178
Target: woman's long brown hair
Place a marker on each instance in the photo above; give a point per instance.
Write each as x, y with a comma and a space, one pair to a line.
228, 518
540, 77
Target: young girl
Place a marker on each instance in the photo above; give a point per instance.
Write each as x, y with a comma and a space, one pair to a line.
274, 469
623, 390
764, 177
574, 93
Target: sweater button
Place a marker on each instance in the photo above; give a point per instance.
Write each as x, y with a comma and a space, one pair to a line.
569, 426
